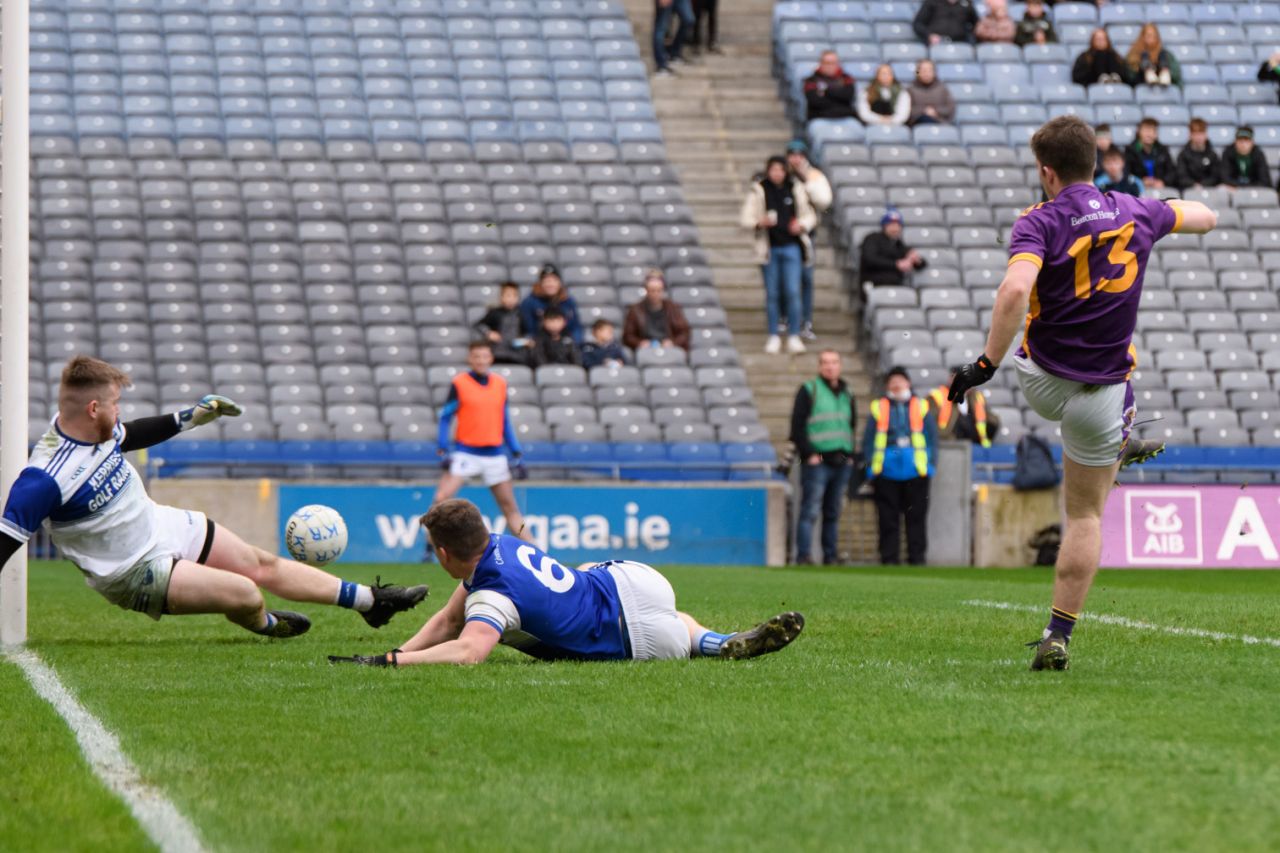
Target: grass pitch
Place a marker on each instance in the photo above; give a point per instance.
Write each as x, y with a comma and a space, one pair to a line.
901, 719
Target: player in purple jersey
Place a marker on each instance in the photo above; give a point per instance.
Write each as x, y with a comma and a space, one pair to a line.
514, 594
1075, 272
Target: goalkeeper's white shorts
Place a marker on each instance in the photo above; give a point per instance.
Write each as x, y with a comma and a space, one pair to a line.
492, 469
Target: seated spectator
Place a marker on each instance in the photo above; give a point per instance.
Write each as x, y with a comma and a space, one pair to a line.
655, 321
552, 345
945, 20
1148, 159
503, 328
885, 258
1149, 63
602, 348
1114, 178
1269, 71
931, 100
1243, 164
1035, 26
1198, 164
828, 91
885, 101
996, 25
1100, 63
550, 291
1102, 133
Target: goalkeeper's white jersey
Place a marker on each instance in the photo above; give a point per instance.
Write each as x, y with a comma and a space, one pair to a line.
93, 500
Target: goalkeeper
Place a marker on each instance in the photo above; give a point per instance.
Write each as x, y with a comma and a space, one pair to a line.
154, 559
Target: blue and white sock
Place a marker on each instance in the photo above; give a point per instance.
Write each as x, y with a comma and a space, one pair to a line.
708, 644
271, 623
354, 596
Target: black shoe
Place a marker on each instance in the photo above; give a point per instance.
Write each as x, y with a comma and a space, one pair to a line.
288, 624
388, 600
1138, 451
768, 636
388, 659
1051, 653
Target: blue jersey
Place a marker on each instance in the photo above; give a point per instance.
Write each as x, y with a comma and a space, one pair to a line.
545, 609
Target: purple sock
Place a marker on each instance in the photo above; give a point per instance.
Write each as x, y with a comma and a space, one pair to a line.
1061, 622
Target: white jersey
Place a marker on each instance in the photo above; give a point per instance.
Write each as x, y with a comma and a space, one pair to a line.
93, 500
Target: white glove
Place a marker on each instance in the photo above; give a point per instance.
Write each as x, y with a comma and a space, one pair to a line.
209, 409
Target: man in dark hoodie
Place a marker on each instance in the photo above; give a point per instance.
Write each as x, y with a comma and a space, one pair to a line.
1243, 163
1148, 159
828, 91
945, 20
885, 259
1198, 163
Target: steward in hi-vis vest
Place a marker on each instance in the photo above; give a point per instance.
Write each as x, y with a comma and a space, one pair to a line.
970, 420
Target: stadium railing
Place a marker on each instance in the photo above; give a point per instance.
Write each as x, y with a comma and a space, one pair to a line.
1184, 464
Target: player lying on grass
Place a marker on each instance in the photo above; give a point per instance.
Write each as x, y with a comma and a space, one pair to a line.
157, 559
514, 594
1075, 278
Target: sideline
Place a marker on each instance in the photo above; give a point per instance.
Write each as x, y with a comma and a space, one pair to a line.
155, 813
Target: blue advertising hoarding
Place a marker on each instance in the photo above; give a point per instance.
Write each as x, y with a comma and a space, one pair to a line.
576, 524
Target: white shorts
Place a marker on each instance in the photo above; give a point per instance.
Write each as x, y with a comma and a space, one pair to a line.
649, 607
1096, 419
492, 469
183, 534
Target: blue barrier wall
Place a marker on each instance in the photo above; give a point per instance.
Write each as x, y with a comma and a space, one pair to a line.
576, 524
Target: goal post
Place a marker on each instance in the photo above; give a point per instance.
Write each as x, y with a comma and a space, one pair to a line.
15, 254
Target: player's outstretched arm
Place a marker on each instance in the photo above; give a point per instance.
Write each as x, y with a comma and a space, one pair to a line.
148, 432
472, 646
1006, 318
1194, 217
444, 625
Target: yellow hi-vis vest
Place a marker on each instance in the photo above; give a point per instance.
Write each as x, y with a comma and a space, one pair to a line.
916, 411
943, 407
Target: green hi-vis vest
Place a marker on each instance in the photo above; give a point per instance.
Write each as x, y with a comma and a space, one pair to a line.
829, 427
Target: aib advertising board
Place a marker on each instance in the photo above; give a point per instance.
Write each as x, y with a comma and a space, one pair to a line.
1192, 527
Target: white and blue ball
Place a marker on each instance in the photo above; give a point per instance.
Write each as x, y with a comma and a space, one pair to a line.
315, 535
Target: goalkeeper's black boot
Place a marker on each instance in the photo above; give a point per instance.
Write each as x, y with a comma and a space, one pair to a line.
768, 636
388, 600
1138, 451
1051, 653
287, 624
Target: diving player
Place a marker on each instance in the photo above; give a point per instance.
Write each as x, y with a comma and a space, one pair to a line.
156, 559
514, 594
1075, 273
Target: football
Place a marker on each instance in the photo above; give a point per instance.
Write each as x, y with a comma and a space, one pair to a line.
315, 535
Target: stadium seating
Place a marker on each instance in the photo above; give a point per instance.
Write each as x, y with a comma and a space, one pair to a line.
1207, 342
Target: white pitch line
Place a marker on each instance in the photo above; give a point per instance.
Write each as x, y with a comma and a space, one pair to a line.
155, 813
1136, 624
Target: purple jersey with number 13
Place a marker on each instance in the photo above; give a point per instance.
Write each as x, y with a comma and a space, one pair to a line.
1092, 249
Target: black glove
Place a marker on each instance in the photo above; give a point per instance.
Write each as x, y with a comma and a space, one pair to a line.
390, 658
518, 471
445, 460
971, 376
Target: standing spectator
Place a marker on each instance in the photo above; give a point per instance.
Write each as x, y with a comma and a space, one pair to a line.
1035, 26
828, 91
1243, 164
819, 190
996, 25
1148, 159
931, 100
823, 421
945, 20
1269, 71
655, 321
1150, 63
706, 10
1101, 133
663, 55
968, 420
901, 448
885, 258
603, 348
552, 345
503, 328
548, 292
1099, 63
1114, 178
778, 211
885, 101
1198, 163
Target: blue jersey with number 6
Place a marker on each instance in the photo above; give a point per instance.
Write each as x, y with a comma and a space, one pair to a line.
542, 608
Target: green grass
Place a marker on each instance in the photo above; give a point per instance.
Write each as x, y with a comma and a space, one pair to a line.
902, 719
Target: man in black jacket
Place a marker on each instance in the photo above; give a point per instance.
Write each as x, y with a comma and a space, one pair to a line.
945, 20
828, 91
885, 259
1243, 164
823, 424
1148, 159
1269, 70
1198, 163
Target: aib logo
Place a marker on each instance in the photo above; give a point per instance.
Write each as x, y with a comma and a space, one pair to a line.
1163, 527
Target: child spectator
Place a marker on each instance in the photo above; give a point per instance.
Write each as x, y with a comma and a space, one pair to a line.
1198, 164
549, 292
1150, 63
1148, 159
996, 25
1114, 178
828, 91
1243, 164
1100, 63
1102, 133
1035, 27
885, 102
602, 348
502, 327
553, 346
931, 100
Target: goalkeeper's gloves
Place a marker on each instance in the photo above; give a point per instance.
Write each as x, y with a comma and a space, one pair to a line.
209, 409
391, 658
970, 376
445, 459
518, 471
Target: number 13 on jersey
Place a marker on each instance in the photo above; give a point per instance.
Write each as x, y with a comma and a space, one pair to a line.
1118, 255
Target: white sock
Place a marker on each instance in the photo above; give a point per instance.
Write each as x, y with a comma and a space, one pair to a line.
356, 596
707, 644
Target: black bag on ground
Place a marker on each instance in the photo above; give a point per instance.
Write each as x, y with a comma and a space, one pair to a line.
1034, 468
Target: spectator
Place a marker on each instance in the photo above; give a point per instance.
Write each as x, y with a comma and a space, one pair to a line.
603, 348
1243, 164
828, 91
664, 55
901, 448
655, 321
996, 25
1150, 63
823, 424
1114, 178
885, 259
1269, 71
819, 190
553, 345
1100, 63
1148, 159
968, 420
1035, 26
1102, 133
502, 327
778, 211
549, 291
706, 10
931, 100
945, 20
1198, 163
885, 101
